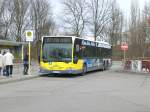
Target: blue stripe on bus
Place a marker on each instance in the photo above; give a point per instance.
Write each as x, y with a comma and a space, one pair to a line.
92, 62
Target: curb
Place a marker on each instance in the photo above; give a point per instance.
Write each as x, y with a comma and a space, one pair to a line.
19, 79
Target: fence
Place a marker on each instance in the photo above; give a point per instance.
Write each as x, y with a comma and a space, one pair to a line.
137, 65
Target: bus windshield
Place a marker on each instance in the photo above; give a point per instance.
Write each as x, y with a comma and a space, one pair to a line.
57, 52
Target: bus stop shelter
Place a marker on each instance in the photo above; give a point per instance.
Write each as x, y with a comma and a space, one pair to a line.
17, 48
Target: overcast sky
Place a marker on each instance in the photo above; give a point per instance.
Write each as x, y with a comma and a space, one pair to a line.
124, 5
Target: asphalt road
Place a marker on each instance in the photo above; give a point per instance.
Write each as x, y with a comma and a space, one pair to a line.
106, 91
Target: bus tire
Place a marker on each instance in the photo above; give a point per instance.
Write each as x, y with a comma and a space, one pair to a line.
84, 70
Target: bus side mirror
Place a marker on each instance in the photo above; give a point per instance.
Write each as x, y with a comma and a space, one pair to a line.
75, 60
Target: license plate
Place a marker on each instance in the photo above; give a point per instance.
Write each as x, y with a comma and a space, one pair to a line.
56, 72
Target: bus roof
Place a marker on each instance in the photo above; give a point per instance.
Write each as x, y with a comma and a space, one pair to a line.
102, 43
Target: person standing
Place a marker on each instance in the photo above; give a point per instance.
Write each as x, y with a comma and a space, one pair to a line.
4, 67
8, 59
1, 62
26, 64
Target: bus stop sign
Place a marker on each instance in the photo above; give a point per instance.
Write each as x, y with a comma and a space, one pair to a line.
124, 46
29, 35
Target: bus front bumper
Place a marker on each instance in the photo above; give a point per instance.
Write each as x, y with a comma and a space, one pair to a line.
71, 71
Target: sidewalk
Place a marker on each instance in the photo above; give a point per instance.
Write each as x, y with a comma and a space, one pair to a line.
117, 66
18, 73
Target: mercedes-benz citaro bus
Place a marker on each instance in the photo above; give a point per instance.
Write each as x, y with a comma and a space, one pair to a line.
73, 55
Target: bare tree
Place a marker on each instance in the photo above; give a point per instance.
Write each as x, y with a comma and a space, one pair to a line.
114, 28
6, 17
116, 25
146, 13
41, 16
75, 16
146, 30
48, 28
134, 30
1, 4
41, 21
20, 18
1, 21
101, 15
137, 32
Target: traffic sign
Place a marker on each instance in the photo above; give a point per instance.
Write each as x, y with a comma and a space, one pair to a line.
29, 35
124, 46
29, 38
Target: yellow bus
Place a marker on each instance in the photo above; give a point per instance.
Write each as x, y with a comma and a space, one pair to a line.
73, 55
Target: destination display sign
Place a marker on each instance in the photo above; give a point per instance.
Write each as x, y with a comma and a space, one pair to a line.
57, 40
